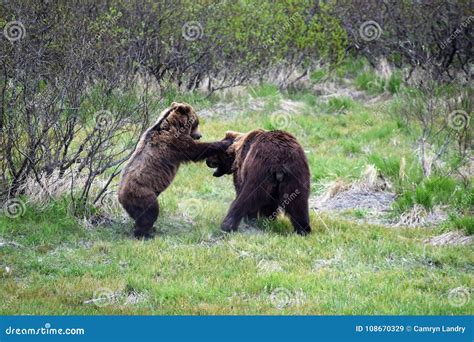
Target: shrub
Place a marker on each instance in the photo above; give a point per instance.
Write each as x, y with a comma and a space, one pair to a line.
370, 82
318, 75
339, 104
394, 82
465, 223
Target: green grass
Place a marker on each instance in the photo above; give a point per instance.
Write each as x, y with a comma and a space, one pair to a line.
191, 268
436, 190
394, 82
370, 82
318, 75
461, 222
350, 67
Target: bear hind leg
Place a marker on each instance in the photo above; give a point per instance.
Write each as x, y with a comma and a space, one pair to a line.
145, 219
299, 216
295, 203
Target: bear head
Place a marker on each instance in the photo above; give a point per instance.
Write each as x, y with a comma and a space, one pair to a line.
182, 119
224, 161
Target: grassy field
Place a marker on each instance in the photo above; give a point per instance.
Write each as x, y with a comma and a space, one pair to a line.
52, 264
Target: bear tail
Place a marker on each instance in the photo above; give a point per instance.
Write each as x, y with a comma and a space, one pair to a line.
279, 176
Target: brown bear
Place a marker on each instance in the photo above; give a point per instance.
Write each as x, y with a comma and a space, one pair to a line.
155, 161
271, 174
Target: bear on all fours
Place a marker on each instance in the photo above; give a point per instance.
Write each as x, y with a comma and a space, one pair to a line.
271, 174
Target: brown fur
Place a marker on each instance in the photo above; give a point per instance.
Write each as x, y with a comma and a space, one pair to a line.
155, 161
270, 171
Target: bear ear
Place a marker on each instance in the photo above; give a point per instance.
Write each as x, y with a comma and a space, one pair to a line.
232, 135
181, 108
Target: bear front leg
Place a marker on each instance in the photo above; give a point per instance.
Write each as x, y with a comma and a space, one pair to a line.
234, 216
238, 209
245, 204
195, 151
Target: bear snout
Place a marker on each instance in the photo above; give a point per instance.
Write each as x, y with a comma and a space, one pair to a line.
196, 135
218, 173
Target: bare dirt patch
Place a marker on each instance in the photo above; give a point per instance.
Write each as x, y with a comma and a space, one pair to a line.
327, 90
4, 243
450, 238
369, 200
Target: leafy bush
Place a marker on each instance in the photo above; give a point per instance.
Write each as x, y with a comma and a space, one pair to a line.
437, 117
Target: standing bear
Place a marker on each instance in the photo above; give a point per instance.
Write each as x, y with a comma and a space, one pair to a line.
271, 174
155, 161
